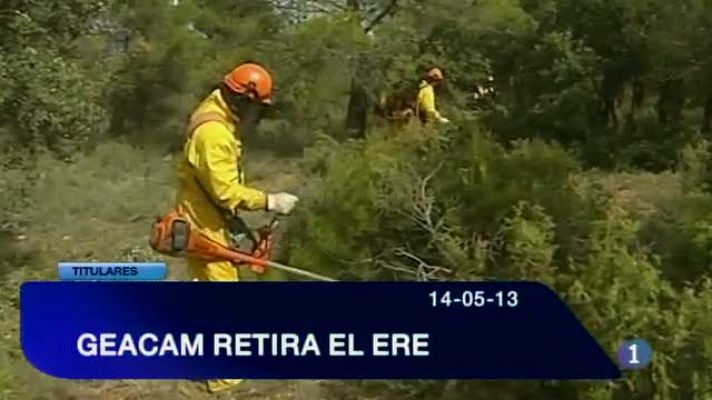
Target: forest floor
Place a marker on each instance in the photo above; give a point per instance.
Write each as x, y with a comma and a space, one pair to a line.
100, 208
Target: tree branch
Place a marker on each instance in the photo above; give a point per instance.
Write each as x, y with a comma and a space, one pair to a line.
304, 9
385, 12
336, 4
425, 202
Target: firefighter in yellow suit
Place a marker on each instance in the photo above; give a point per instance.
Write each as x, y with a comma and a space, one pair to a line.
426, 110
211, 187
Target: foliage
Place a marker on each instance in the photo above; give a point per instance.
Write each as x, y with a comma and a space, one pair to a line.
52, 105
521, 185
460, 206
47, 101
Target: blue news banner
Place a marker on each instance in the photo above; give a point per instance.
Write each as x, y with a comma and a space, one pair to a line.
306, 330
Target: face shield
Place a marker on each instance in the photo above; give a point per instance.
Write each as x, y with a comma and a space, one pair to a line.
250, 114
245, 108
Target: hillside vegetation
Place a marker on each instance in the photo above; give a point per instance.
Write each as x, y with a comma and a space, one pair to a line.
589, 168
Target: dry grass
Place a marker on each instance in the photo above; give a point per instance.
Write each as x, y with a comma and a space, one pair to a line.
100, 209
643, 192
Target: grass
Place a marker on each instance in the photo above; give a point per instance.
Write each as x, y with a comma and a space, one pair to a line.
642, 193
101, 208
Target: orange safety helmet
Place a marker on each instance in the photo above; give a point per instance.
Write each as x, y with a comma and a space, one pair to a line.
435, 74
252, 80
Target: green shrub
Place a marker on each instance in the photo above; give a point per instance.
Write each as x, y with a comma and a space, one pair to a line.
455, 205
51, 104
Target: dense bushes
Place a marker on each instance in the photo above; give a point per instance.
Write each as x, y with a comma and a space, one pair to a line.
578, 84
47, 100
446, 195
52, 105
456, 205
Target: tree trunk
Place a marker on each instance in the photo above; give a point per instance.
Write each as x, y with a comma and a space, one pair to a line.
357, 111
671, 101
359, 99
609, 93
707, 117
662, 100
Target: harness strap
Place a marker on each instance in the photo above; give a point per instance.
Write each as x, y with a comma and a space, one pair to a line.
199, 119
235, 224
195, 122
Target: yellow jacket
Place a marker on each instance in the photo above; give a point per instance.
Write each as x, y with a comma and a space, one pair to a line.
211, 156
426, 109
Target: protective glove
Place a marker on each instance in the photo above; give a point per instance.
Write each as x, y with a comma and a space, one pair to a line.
444, 120
281, 203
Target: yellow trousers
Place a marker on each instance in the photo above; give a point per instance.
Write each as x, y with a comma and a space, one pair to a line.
200, 270
222, 271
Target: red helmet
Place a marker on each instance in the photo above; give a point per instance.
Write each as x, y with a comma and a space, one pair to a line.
252, 80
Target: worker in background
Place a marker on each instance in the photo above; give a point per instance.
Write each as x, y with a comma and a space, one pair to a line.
211, 186
425, 106
485, 89
396, 107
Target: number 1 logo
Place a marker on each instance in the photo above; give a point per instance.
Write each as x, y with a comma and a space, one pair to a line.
635, 354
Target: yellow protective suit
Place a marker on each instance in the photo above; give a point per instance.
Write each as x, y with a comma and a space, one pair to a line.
210, 166
426, 110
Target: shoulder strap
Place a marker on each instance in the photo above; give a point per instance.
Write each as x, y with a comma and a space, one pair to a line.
235, 223
199, 119
195, 122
